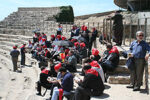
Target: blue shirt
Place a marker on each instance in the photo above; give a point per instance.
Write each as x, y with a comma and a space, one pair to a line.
139, 49
67, 82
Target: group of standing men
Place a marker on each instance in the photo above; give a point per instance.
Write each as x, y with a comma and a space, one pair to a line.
15, 54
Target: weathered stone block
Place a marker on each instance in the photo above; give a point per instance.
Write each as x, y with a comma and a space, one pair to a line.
122, 61
117, 79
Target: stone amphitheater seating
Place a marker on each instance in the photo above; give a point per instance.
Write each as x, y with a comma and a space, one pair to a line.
120, 75
29, 19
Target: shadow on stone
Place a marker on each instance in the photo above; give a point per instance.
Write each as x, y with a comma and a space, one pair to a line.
107, 86
29, 65
144, 91
103, 96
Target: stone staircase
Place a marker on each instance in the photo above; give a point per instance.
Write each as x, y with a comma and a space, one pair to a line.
27, 79
122, 74
29, 19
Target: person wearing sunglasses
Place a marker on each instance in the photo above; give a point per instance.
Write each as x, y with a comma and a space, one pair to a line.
138, 50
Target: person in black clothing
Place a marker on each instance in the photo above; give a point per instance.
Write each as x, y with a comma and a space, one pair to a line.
93, 38
110, 59
43, 80
23, 51
95, 54
47, 53
117, 27
85, 35
14, 55
52, 68
82, 51
91, 85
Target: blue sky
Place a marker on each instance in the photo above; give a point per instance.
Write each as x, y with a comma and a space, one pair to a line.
81, 7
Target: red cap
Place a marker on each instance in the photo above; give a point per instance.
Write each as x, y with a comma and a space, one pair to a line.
73, 40
44, 46
14, 47
114, 50
95, 52
66, 50
63, 38
76, 44
45, 71
58, 36
52, 36
85, 28
95, 64
82, 44
57, 67
43, 39
92, 71
93, 28
82, 27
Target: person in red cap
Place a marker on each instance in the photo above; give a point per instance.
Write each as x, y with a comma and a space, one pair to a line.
45, 73
76, 45
14, 55
47, 53
44, 36
58, 37
95, 54
110, 59
82, 51
66, 85
59, 76
52, 37
85, 35
63, 38
91, 85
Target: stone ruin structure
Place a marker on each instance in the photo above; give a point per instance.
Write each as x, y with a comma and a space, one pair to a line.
25, 20
134, 5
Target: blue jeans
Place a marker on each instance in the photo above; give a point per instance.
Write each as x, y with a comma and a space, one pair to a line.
56, 93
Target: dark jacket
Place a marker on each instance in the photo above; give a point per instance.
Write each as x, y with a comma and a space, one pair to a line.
14, 53
67, 82
118, 21
83, 52
93, 82
94, 35
97, 57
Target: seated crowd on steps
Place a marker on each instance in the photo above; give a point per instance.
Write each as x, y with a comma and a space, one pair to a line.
64, 56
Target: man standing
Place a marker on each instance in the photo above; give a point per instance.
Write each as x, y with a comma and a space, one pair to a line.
93, 38
14, 55
138, 51
117, 28
23, 51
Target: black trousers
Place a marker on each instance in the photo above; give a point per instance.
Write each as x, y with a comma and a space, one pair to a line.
85, 94
22, 59
39, 84
82, 94
118, 34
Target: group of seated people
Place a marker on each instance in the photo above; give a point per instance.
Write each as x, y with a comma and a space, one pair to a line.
63, 83
60, 76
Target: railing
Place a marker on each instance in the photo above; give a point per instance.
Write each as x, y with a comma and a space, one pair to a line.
130, 25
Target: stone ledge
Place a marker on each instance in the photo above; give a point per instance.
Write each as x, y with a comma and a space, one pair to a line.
119, 79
